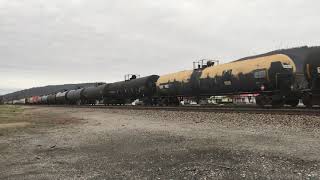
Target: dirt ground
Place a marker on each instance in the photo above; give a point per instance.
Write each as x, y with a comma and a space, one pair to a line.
82, 143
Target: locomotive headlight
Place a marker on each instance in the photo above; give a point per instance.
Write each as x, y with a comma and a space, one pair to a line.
318, 69
262, 87
291, 87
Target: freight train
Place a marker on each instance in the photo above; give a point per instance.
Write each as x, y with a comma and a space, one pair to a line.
278, 78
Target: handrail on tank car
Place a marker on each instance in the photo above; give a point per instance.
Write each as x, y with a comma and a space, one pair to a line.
203, 63
129, 77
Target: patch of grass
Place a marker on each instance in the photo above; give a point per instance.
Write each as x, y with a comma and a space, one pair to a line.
21, 119
10, 113
11, 119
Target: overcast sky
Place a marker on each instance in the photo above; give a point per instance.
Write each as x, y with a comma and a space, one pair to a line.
46, 42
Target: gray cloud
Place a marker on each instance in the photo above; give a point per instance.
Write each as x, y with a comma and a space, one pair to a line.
52, 42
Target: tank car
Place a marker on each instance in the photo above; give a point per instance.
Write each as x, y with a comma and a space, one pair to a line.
19, 101
280, 77
171, 88
15, 102
33, 100
270, 76
44, 99
129, 90
28, 100
74, 96
38, 100
61, 97
93, 95
306, 61
311, 93
52, 99
9, 102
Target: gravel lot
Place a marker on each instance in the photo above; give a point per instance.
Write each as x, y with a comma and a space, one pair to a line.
81, 143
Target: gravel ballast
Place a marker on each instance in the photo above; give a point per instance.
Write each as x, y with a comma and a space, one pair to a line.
84, 143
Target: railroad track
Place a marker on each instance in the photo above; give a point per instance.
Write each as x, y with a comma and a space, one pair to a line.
217, 109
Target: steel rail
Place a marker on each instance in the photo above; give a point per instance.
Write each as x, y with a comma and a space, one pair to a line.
213, 109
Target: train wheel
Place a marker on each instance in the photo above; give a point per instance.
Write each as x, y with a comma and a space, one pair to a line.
148, 102
277, 101
277, 104
307, 100
259, 101
174, 101
293, 103
164, 102
262, 100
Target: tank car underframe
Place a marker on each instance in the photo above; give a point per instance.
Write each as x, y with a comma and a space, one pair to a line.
110, 100
92, 102
275, 98
310, 97
278, 98
166, 100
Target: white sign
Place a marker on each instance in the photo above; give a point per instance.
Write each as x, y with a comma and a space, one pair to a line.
227, 83
165, 86
286, 66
